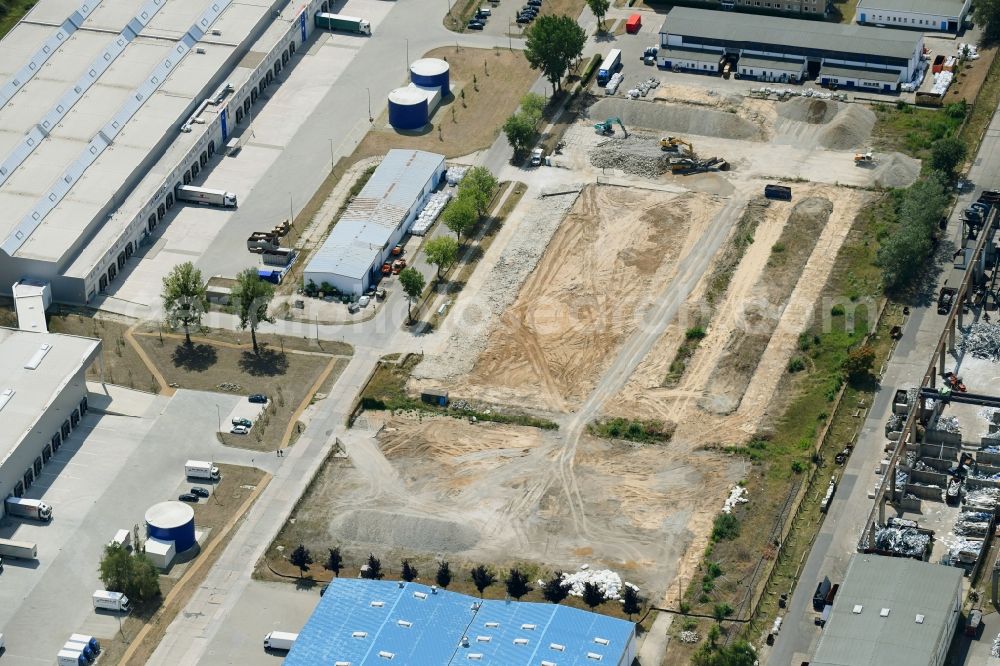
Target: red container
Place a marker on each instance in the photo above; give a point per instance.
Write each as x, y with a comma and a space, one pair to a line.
633, 24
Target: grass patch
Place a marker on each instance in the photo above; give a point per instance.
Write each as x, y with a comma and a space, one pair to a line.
913, 130
982, 109
387, 391
634, 431
12, 11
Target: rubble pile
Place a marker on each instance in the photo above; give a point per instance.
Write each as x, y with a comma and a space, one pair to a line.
983, 497
983, 341
607, 581
738, 495
902, 541
638, 155
949, 424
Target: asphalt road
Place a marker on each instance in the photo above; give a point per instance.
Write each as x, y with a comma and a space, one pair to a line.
848, 513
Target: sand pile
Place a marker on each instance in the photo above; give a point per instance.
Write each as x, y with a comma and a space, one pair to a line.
807, 110
674, 118
850, 128
395, 530
820, 123
896, 170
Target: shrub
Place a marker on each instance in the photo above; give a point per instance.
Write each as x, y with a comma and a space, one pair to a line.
694, 333
725, 527
798, 466
837, 310
796, 364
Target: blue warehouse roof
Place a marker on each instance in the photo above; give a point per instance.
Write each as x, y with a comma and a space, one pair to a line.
361, 622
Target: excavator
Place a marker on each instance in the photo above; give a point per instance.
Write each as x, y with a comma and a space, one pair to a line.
674, 144
607, 127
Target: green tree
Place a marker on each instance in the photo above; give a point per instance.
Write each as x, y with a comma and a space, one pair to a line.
413, 285
533, 104
374, 570
252, 297
631, 603
115, 568
184, 297
301, 558
592, 595
443, 576
517, 583
740, 653
553, 42
408, 572
334, 562
988, 15
859, 362
145, 583
714, 634
479, 185
721, 611
901, 258
482, 578
133, 574
600, 9
441, 252
520, 131
460, 215
554, 591
947, 155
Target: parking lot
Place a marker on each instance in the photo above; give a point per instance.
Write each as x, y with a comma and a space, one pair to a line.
263, 607
110, 470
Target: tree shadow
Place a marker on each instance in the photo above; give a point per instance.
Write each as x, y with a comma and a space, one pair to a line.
472, 255
194, 357
923, 291
304, 583
267, 363
605, 36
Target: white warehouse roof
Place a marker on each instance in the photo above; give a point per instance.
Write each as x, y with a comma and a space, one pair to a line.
374, 215
32, 377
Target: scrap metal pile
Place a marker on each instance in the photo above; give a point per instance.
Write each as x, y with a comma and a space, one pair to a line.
995, 652
949, 424
983, 341
987, 498
974, 523
905, 541
965, 550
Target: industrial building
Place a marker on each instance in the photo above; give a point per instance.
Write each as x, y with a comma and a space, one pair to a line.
107, 107
817, 8
926, 15
411, 107
892, 611
789, 50
43, 396
361, 622
351, 258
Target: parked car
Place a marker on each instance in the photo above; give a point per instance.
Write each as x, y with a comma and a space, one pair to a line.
484, 11
481, 15
199, 491
239, 430
364, 301
187, 497
242, 422
354, 308
535, 3
258, 398
536, 156
381, 293
524, 18
475, 25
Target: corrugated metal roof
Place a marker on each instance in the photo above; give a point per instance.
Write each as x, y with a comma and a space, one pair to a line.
741, 28
867, 74
907, 588
690, 54
362, 622
374, 215
772, 63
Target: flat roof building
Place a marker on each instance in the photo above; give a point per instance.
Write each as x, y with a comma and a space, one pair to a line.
106, 107
892, 611
926, 15
43, 396
351, 257
892, 53
365, 622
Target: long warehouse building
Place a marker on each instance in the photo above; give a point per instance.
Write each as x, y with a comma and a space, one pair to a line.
351, 257
107, 106
789, 50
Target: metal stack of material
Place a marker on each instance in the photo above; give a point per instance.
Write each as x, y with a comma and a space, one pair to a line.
983, 341
906, 541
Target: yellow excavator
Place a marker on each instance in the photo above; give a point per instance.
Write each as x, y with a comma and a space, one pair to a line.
674, 144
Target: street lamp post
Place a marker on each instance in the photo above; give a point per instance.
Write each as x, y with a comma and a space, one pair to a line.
332, 162
370, 118
407, 54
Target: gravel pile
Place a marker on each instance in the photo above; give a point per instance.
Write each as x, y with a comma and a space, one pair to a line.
394, 530
809, 110
473, 321
675, 118
983, 341
638, 155
851, 128
896, 170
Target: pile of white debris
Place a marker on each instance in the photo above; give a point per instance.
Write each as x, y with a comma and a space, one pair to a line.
738, 495
607, 581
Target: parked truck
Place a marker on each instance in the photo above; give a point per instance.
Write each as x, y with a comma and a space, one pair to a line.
343, 23
28, 508
24, 550
70, 658
90, 641
203, 195
200, 469
612, 62
82, 648
114, 601
279, 640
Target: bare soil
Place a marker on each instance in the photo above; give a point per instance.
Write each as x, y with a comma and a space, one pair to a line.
589, 292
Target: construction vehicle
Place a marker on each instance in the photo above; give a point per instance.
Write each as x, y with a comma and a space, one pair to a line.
607, 127
946, 298
674, 144
398, 265
954, 382
684, 166
863, 159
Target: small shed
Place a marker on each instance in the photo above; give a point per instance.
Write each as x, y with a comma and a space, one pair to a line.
437, 397
161, 552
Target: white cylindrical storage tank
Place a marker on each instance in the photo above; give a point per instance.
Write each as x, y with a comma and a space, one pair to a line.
408, 109
171, 521
431, 73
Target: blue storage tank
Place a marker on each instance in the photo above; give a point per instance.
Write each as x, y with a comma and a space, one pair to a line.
171, 521
408, 109
431, 73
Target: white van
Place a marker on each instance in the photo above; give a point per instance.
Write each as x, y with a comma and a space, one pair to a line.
536, 156
115, 601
